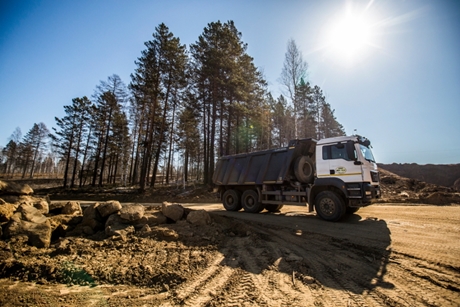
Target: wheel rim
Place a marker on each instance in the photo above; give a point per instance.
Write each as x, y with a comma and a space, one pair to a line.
250, 201
230, 200
327, 206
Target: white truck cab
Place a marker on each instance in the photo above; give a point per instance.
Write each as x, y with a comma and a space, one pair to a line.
348, 162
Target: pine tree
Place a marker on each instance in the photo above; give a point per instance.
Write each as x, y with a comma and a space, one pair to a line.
70, 134
306, 110
229, 89
33, 145
111, 97
10, 153
330, 127
159, 75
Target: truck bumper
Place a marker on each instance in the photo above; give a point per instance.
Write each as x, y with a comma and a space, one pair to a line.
371, 191
362, 197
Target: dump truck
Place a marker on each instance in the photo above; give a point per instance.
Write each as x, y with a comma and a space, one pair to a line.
332, 176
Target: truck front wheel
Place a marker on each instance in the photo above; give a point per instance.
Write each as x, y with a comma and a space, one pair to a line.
231, 200
329, 206
250, 201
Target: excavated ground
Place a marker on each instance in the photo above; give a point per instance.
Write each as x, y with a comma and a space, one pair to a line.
383, 255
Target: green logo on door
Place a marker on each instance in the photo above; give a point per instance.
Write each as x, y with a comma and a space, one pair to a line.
340, 170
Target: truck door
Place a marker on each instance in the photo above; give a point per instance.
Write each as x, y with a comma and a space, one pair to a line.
340, 164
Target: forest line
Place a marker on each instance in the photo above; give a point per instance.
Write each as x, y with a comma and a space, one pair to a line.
182, 109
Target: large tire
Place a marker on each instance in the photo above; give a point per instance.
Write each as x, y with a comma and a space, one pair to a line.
329, 206
250, 202
232, 200
273, 208
304, 169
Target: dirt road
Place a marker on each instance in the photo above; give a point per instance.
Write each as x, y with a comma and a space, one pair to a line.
383, 255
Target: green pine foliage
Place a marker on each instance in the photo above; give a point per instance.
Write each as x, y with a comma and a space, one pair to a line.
183, 108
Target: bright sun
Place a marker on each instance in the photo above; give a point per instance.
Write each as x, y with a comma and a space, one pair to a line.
349, 36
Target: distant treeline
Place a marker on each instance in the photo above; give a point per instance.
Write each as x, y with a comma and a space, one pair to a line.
183, 108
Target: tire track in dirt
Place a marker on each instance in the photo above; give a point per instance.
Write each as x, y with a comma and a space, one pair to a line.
339, 291
427, 292
244, 286
287, 285
329, 297
202, 289
431, 252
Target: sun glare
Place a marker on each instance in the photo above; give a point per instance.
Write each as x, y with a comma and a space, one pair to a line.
349, 36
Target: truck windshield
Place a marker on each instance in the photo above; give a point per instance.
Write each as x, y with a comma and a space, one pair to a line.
367, 153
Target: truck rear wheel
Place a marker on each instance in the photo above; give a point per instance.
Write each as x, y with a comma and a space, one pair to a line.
329, 206
304, 169
231, 200
250, 202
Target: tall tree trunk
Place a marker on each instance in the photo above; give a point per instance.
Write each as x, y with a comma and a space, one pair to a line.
168, 166
77, 153
84, 158
161, 138
148, 144
106, 143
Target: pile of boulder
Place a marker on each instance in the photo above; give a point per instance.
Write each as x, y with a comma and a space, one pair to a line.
40, 222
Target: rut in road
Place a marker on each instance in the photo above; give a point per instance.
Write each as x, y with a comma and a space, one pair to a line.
265, 265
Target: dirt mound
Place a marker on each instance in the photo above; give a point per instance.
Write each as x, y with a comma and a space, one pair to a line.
400, 189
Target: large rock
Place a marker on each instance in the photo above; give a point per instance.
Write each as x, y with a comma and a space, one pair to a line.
31, 214
114, 220
116, 226
109, 207
132, 212
38, 234
91, 222
64, 220
199, 217
155, 218
6, 212
12, 188
42, 206
173, 211
40, 203
92, 218
72, 208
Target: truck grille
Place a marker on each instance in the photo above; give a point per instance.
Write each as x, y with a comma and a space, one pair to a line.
375, 176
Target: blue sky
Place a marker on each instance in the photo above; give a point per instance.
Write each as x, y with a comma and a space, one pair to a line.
399, 85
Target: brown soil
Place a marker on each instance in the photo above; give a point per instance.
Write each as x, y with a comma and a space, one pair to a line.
383, 255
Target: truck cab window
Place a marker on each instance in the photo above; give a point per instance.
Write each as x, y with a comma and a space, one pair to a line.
335, 152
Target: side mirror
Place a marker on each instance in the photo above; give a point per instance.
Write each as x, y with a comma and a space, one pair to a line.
351, 151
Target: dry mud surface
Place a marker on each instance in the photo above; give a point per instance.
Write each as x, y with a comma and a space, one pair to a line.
383, 255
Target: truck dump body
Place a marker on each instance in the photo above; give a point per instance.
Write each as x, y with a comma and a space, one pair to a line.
263, 167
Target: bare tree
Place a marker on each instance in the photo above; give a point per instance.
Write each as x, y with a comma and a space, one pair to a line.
294, 70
